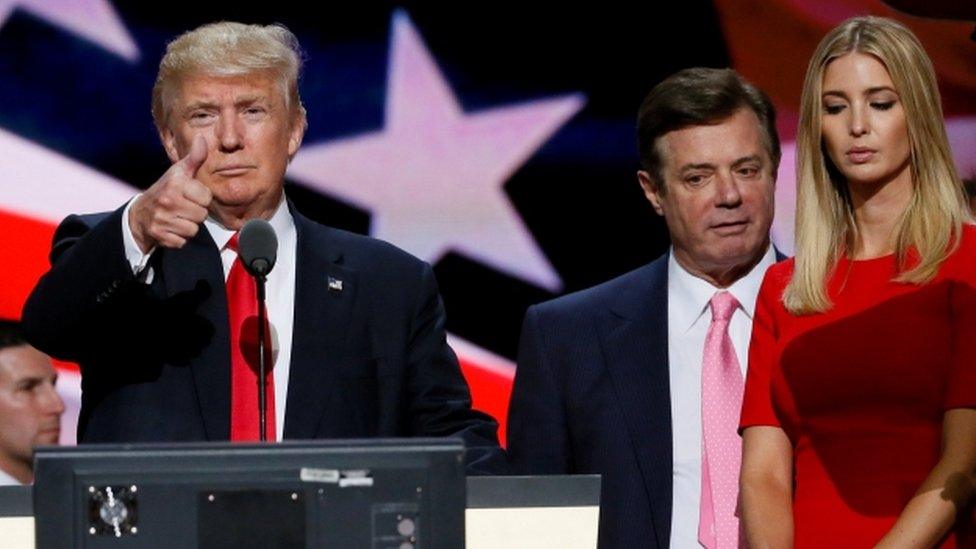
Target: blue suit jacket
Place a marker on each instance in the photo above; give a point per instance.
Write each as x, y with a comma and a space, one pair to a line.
592, 395
370, 360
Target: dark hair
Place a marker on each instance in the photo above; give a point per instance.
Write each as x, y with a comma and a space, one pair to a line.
10, 334
699, 97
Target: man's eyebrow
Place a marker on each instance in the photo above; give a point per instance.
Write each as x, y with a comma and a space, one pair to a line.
30, 381
700, 166
203, 104
745, 159
209, 104
248, 99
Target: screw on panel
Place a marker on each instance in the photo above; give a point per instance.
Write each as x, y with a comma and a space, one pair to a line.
210, 497
134, 530
92, 530
133, 488
294, 496
91, 489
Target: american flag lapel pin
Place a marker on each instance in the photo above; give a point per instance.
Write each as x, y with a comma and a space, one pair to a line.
335, 284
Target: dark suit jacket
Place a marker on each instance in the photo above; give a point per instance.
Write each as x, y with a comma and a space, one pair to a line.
592, 395
370, 360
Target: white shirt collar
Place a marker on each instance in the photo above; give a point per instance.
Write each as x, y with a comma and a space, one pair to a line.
7, 480
695, 293
281, 222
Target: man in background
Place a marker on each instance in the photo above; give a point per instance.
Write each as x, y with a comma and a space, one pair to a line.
30, 408
640, 378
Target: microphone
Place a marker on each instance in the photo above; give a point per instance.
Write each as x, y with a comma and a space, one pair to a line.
257, 246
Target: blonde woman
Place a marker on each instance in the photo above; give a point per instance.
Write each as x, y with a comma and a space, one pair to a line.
859, 419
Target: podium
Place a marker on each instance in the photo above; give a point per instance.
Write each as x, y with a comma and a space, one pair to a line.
401, 493
540, 512
16, 517
376, 493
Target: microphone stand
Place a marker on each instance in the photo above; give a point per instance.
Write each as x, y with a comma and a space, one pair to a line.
258, 250
262, 366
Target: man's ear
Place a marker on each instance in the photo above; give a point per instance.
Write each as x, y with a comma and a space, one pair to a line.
296, 134
652, 191
168, 138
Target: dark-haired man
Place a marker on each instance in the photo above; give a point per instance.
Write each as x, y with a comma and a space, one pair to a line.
640, 379
30, 408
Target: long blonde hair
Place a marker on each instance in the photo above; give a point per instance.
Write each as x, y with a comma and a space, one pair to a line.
931, 224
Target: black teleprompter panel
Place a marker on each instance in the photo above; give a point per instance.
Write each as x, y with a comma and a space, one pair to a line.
360, 493
250, 512
15, 501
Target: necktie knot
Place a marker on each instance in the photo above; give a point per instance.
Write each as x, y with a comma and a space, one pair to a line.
232, 243
723, 304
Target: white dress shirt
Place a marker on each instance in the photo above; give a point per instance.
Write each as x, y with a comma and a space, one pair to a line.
689, 317
280, 290
7, 480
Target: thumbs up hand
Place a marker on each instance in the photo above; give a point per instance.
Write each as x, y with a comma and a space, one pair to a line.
169, 212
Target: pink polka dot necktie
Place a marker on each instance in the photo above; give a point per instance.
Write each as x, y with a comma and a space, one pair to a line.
721, 402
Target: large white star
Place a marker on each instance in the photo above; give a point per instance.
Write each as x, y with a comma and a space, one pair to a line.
93, 20
433, 176
39, 183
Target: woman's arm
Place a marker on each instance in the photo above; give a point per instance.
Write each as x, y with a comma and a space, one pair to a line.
947, 489
766, 487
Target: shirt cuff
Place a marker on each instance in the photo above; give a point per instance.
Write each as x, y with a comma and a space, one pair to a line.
133, 254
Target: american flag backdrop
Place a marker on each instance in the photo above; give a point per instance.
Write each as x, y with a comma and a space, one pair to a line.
494, 140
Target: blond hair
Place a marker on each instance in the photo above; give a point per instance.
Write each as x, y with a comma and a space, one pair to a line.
229, 49
931, 224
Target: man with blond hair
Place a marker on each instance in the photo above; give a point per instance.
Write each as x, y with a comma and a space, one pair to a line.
153, 302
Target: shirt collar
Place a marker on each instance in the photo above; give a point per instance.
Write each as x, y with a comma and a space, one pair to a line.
281, 222
690, 295
8, 480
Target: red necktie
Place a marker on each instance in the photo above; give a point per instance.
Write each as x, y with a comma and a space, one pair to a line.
721, 400
242, 316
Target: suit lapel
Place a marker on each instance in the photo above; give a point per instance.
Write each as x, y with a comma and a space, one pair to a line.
324, 294
211, 368
635, 344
